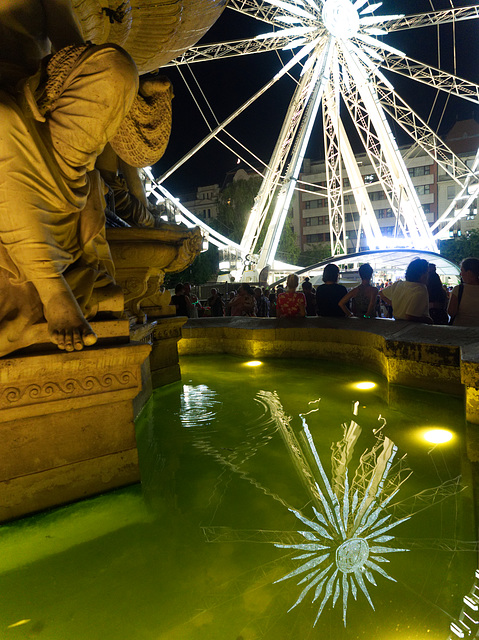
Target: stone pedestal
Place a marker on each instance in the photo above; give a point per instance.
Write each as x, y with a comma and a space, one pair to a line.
164, 364
66, 425
162, 367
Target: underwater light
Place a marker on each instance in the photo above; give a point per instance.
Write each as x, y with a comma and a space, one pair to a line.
19, 623
254, 363
437, 436
365, 385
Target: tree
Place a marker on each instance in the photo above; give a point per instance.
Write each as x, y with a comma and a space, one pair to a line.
312, 256
465, 246
203, 269
234, 206
288, 249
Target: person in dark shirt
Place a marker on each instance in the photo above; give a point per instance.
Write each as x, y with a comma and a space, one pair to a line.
437, 296
310, 298
330, 293
181, 301
262, 303
215, 303
363, 298
272, 305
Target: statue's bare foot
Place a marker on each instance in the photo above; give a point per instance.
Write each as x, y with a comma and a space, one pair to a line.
67, 326
73, 339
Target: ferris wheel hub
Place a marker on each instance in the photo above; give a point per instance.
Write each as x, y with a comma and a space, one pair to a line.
340, 18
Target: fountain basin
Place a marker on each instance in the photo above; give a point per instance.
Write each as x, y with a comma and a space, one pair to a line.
435, 358
192, 555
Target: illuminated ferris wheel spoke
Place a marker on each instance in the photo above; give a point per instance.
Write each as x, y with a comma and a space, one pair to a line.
432, 77
358, 188
213, 133
385, 157
334, 174
277, 164
311, 97
420, 131
461, 204
423, 135
232, 49
264, 11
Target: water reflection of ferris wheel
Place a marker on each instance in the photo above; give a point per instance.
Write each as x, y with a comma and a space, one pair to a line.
347, 67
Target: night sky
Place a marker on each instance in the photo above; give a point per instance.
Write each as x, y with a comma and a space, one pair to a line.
230, 82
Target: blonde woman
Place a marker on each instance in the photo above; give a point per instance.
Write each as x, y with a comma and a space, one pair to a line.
291, 303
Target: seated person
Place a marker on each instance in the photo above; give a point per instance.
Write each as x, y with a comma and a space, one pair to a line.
330, 293
363, 297
409, 298
464, 302
437, 297
272, 305
262, 303
291, 303
231, 297
196, 309
310, 298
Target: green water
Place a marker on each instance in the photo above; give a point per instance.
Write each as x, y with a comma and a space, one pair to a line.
189, 554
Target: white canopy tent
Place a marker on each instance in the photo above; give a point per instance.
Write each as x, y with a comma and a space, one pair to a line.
387, 260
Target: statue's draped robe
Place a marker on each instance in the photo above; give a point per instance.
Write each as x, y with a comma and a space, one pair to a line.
51, 197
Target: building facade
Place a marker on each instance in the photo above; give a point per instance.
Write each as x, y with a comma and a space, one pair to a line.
203, 203
309, 212
435, 189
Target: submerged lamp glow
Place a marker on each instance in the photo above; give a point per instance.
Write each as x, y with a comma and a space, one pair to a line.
437, 436
254, 363
364, 386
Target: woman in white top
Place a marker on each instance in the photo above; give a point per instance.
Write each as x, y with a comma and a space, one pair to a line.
464, 308
409, 298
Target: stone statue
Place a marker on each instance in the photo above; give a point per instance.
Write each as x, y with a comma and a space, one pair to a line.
62, 100
130, 201
57, 113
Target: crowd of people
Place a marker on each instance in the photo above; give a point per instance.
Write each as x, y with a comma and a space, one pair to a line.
420, 297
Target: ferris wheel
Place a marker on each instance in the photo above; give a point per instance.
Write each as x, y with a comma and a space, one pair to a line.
346, 62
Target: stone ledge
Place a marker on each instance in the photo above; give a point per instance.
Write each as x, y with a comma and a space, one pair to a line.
36, 339
53, 487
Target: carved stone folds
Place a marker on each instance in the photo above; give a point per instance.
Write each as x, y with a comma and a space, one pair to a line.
66, 426
142, 257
